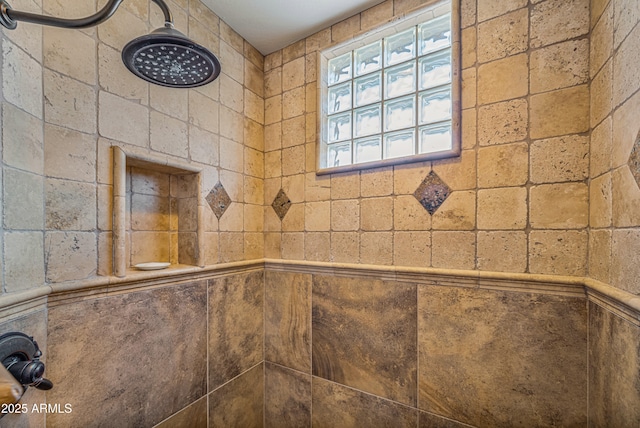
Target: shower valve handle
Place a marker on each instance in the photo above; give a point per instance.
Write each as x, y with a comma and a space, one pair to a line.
30, 373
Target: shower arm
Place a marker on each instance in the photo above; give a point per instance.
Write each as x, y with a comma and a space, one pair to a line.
9, 17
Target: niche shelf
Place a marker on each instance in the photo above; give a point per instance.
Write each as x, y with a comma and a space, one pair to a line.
157, 212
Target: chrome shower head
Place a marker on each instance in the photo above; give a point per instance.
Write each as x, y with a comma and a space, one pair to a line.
167, 57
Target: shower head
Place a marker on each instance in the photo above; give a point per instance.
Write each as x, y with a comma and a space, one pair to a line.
167, 57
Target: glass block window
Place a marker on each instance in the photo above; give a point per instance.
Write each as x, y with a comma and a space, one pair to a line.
388, 96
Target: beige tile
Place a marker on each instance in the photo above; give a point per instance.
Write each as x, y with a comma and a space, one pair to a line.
272, 60
292, 246
469, 128
254, 78
150, 212
171, 101
294, 187
317, 216
600, 149
600, 255
116, 79
231, 93
560, 66
503, 165
409, 214
254, 133
293, 74
294, 220
273, 82
150, 247
123, 120
254, 163
273, 109
233, 61
407, 178
70, 103
345, 30
168, 135
625, 263
23, 263
600, 205
372, 346
559, 206
491, 8
503, 208
601, 41
273, 137
70, 53
293, 51
625, 131
204, 146
556, 252
558, 20
561, 112
625, 73
626, 198
469, 47
21, 79
469, 86
293, 160
453, 250
412, 249
458, 212
504, 122
560, 159
70, 205
376, 15
317, 188
503, 36
346, 185
626, 15
233, 128
118, 32
459, 173
376, 248
503, 79
317, 246
22, 140
29, 37
293, 102
253, 218
22, 198
345, 247
70, 256
317, 41
502, 251
231, 155
376, 182
468, 12
601, 96
376, 214
253, 106
293, 131
597, 8
231, 247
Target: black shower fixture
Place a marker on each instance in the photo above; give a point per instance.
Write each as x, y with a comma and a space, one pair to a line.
165, 57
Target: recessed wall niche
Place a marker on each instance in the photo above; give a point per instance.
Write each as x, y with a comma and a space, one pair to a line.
157, 212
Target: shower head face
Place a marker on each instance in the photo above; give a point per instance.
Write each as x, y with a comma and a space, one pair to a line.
167, 58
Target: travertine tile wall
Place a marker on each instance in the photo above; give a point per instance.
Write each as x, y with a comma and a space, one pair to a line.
67, 98
615, 102
520, 192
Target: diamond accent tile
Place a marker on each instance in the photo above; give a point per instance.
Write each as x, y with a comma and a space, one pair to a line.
218, 199
432, 192
281, 204
634, 160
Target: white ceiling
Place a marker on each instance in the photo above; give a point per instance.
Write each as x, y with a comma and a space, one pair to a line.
270, 25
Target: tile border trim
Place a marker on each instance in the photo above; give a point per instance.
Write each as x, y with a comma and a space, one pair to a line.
619, 302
